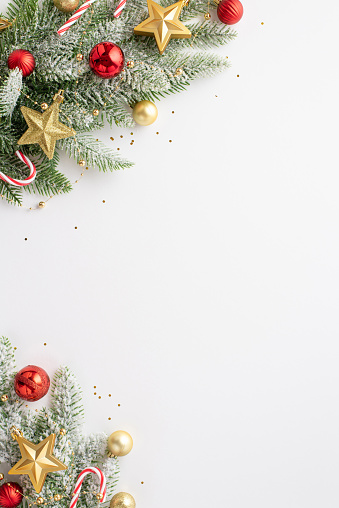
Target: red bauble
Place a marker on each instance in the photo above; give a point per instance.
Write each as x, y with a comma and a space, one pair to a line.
106, 60
22, 59
230, 11
10, 495
31, 383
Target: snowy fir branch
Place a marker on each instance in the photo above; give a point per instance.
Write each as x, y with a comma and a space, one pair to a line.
66, 412
34, 28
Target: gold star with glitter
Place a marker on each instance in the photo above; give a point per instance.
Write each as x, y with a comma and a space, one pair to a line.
45, 128
163, 23
37, 460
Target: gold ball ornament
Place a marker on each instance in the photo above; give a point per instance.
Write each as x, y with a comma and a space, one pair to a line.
66, 5
122, 500
145, 113
62, 432
95, 112
80, 57
207, 16
82, 163
57, 497
130, 64
120, 443
179, 71
4, 398
40, 500
42, 204
44, 106
99, 496
1, 477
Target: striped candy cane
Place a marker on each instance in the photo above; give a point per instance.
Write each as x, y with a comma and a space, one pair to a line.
77, 488
28, 180
119, 9
75, 17
82, 9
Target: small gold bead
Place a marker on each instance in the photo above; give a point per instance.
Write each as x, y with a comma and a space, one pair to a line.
40, 500
130, 64
4, 397
42, 204
99, 496
82, 162
57, 497
1, 476
95, 112
207, 16
80, 57
62, 432
179, 71
44, 106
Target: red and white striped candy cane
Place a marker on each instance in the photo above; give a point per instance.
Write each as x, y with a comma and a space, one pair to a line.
82, 9
75, 17
28, 180
77, 488
120, 8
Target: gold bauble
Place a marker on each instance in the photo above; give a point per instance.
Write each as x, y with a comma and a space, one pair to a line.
130, 64
95, 112
207, 16
80, 57
44, 106
82, 162
57, 497
62, 432
4, 398
42, 204
66, 5
179, 71
1, 476
99, 496
40, 500
122, 500
145, 112
120, 443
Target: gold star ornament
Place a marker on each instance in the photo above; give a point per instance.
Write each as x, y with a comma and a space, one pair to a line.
37, 460
163, 23
45, 128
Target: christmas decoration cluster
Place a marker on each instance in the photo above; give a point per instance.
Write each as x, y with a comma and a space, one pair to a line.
65, 73
57, 465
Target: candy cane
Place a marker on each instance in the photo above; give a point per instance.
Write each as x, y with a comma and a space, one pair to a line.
28, 180
82, 9
75, 17
77, 488
119, 9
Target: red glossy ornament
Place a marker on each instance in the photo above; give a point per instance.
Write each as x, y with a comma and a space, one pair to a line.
31, 383
230, 11
106, 60
22, 59
10, 495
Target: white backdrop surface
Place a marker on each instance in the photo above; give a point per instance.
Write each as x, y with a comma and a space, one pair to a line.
203, 294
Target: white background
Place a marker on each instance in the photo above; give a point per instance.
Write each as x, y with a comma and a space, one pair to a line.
203, 294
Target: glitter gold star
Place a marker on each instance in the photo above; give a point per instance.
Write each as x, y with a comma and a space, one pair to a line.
37, 460
163, 23
45, 128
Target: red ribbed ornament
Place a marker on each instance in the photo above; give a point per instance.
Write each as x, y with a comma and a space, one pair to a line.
230, 11
22, 59
106, 60
10, 495
31, 383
